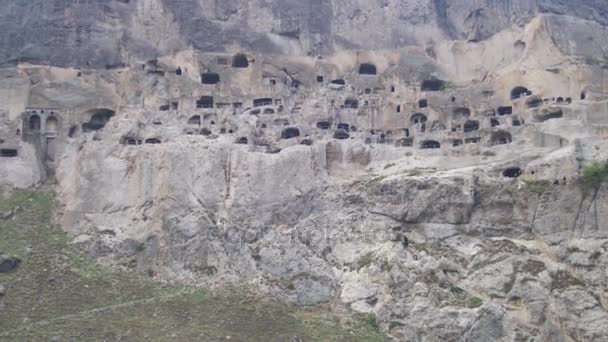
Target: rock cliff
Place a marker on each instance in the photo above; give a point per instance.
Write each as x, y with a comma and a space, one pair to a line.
424, 161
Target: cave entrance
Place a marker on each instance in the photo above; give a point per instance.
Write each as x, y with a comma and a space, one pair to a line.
519, 91
512, 172
324, 125
501, 138
243, 141
351, 103
555, 114
205, 102
52, 125
433, 85
423, 103
418, 118
344, 126
262, 102
240, 60
289, 133
341, 134
470, 126
430, 145
210, 78
505, 110
34, 123
494, 122
195, 120
534, 102
153, 141
367, 69
8, 153
99, 119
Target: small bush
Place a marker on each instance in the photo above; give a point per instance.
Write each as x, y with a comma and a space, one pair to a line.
474, 302
537, 186
595, 174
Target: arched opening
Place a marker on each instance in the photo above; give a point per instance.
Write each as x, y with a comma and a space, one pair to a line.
99, 119
195, 120
341, 134
430, 145
205, 131
52, 125
8, 153
568, 100
351, 103
583, 95
423, 103
398, 108
367, 69
34, 123
512, 172
240, 61
178, 71
204, 102
392, 89
471, 125
152, 141
501, 138
243, 141
262, 102
324, 125
418, 118
210, 78
268, 111
494, 122
433, 85
505, 110
534, 102
367, 91
519, 91
289, 133
560, 100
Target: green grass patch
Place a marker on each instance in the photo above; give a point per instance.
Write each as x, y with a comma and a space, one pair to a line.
58, 292
595, 174
474, 302
537, 186
365, 261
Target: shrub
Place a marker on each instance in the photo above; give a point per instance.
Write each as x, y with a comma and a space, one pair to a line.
595, 174
537, 186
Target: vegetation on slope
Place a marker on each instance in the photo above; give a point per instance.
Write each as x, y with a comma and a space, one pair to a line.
595, 174
59, 293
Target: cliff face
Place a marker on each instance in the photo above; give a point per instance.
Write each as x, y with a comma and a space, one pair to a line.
420, 160
112, 33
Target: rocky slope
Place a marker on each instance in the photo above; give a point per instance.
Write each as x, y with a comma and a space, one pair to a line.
428, 162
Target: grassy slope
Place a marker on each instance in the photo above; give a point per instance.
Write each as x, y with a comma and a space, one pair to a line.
58, 292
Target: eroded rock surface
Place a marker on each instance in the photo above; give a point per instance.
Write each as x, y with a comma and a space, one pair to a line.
419, 160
